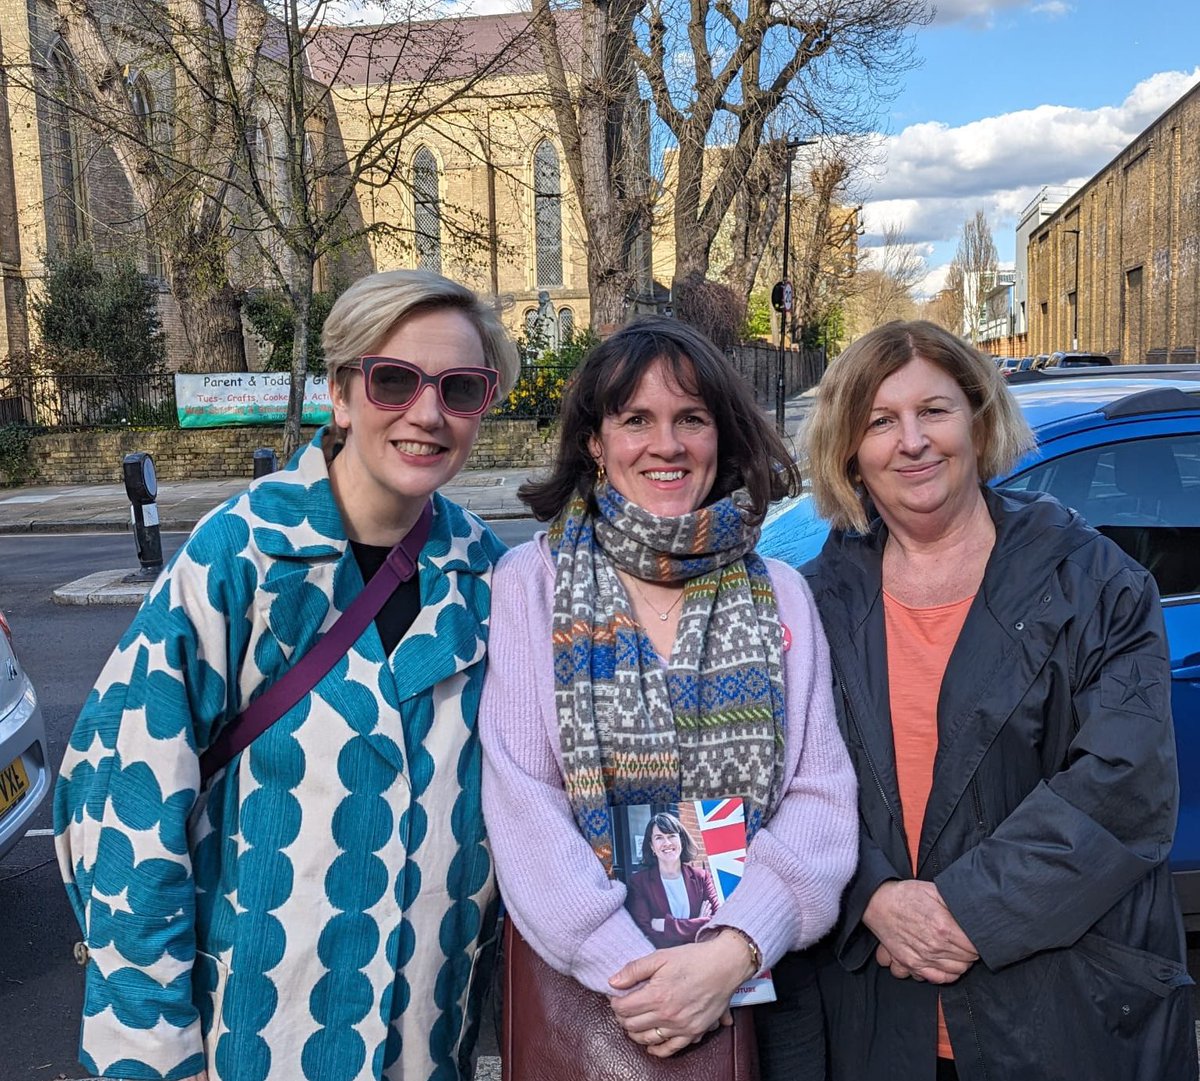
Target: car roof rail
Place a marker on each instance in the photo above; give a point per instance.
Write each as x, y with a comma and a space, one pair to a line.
1104, 371
1155, 400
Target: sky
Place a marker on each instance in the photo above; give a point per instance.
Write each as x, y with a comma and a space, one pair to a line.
1010, 96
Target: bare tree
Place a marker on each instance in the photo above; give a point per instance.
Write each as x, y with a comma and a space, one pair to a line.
178, 169
973, 271
755, 214
715, 67
828, 257
883, 290
822, 237
602, 125
400, 78
235, 80
945, 307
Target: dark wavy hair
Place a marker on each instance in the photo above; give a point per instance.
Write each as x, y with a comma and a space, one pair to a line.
667, 823
750, 453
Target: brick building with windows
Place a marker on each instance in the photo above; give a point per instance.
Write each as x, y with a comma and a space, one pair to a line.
1116, 268
484, 191
478, 189
61, 186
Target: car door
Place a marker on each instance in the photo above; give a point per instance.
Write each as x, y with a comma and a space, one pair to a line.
1139, 484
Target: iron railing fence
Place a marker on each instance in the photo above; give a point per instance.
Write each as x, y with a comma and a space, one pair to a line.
537, 394
58, 402
65, 402
759, 366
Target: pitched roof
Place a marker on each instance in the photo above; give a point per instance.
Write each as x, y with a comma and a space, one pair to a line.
441, 49
224, 14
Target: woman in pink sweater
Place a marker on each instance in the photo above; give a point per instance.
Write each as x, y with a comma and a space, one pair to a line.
641, 652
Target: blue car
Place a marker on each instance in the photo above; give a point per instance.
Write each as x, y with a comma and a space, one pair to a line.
1123, 449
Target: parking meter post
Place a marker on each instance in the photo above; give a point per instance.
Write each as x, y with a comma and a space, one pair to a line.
265, 462
141, 488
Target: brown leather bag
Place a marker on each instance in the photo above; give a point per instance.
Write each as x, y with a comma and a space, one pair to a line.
557, 1030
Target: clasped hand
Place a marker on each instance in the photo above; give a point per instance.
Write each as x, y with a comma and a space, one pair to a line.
684, 992
918, 935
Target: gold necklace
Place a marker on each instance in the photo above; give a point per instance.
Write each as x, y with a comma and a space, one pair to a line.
653, 607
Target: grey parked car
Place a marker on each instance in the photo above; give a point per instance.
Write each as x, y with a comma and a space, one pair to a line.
1062, 359
24, 766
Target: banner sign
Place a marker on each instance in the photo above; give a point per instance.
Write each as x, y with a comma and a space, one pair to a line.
231, 398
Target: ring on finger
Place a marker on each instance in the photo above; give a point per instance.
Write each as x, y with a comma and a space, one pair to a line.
662, 1036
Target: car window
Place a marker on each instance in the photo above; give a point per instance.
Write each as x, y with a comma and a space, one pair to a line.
1144, 494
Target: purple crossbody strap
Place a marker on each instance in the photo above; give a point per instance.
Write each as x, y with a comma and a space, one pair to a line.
399, 566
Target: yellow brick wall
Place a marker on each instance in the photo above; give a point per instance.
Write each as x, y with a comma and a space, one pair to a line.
213, 453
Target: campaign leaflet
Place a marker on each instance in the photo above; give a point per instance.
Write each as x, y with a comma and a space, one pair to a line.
680, 862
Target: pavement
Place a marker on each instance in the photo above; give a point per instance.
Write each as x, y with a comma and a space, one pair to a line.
104, 508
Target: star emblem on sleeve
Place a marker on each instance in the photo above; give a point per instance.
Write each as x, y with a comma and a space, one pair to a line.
1133, 686
1137, 689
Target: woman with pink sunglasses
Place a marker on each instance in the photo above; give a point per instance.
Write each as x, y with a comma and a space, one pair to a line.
308, 903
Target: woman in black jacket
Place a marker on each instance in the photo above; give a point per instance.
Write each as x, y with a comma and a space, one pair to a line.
1003, 685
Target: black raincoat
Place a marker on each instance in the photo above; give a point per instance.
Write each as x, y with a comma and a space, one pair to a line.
1048, 825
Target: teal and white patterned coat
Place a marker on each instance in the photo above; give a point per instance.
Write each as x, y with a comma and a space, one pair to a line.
318, 914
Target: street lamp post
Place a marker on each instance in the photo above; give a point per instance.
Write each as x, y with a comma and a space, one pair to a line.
788, 293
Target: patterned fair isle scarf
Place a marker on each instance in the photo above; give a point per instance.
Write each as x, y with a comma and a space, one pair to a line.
711, 724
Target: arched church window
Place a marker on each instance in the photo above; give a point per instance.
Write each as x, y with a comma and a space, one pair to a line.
65, 201
547, 215
427, 211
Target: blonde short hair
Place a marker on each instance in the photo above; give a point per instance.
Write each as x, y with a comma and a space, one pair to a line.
364, 315
838, 422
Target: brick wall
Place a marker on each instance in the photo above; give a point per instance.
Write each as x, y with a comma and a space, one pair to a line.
514, 444
209, 453
1117, 267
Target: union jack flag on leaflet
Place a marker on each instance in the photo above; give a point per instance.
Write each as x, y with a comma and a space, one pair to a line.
722, 824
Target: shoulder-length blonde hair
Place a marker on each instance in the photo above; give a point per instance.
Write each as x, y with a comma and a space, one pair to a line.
365, 313
838, 422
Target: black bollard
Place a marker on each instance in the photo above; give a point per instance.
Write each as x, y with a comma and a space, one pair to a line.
264, 462
141, 486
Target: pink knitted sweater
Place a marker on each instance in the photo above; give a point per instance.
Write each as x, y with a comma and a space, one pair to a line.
553, 885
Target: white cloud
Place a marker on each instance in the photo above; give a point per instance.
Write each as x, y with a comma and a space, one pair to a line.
872, 254
932, 283
981, 14
978, 12
935, 176
1055, 9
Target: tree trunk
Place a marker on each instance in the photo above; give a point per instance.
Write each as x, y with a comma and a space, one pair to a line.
691, 268
212, 322
601, 155
756, 211
301, 295
607, 293
826, 178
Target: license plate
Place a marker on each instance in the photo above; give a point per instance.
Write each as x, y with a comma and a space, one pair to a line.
14, 783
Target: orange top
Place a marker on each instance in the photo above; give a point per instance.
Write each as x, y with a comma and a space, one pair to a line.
919, 644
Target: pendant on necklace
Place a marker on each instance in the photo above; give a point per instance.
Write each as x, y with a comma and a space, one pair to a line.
663, 616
